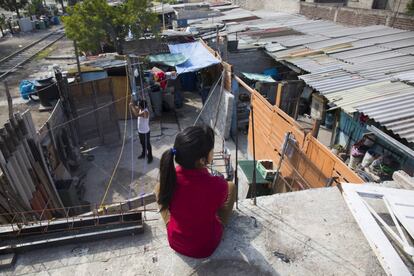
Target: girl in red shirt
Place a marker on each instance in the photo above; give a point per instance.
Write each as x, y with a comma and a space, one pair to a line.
195, 205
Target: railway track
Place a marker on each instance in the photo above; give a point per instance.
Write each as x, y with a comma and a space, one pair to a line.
11, 63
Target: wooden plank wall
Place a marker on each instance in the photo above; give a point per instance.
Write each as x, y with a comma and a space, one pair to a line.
120, 86
94, 104
312, 163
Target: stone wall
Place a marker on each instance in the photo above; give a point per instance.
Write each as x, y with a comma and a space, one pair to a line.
357, 17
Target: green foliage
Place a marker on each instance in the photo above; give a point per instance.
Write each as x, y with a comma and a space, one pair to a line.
36, 8
410, 7
2, 23
93, 22
13, 5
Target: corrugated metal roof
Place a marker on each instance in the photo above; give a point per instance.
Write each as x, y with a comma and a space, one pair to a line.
379, 31
399, 43
407, 77
387, 38
316, 64
330, 43
351, 66
349, 98
373, 57
348, 54
394, 111
407, 50
337, 80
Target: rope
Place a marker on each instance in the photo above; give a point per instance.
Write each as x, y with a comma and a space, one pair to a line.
132, 156
122, 147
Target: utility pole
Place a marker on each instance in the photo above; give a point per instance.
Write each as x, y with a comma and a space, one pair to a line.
75, 45
163, 16
254, 188
9, 100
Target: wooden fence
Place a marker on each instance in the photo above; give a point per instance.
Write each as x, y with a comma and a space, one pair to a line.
93, 103
309, 164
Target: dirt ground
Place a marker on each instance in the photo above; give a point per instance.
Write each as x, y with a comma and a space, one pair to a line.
133, 176
36, 68
11, 43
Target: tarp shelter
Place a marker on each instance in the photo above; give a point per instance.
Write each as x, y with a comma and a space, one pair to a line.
198, 57
259, 77
168, 59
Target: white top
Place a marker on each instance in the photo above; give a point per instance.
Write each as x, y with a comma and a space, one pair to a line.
143, 123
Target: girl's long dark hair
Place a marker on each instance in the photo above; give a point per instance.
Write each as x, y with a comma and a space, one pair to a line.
190, 145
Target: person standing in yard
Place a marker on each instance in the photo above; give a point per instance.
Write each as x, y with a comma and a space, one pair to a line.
141, 111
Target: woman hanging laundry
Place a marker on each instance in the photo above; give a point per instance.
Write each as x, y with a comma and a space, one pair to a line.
143, 128
195, 205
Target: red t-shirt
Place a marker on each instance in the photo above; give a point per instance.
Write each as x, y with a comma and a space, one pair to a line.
194, 228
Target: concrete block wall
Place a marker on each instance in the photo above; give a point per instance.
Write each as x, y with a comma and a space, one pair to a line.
357, 17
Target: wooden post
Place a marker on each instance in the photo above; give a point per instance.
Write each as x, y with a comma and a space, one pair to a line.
226, 53
75, 45
315, 128
279, 94
217, 39
9, 100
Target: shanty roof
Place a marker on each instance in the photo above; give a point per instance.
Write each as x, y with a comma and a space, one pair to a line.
350, 66
388, 103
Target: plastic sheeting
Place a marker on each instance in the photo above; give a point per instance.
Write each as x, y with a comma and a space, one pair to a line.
168, 59
259, 77
198, 57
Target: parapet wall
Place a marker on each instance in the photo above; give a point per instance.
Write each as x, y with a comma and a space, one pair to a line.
357, 17
290, 6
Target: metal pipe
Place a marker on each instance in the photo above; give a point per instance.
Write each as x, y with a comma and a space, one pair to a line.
254, 158
284, 147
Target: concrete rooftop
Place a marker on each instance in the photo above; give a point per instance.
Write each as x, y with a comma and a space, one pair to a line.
313, 229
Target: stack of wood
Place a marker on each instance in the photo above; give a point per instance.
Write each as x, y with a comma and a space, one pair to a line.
27, 189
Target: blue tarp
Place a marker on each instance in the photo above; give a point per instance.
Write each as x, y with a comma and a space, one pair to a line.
198, 57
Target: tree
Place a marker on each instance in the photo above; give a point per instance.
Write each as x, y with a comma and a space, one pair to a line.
36, 7
94, 22
2, 23
410, 7
13, 5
